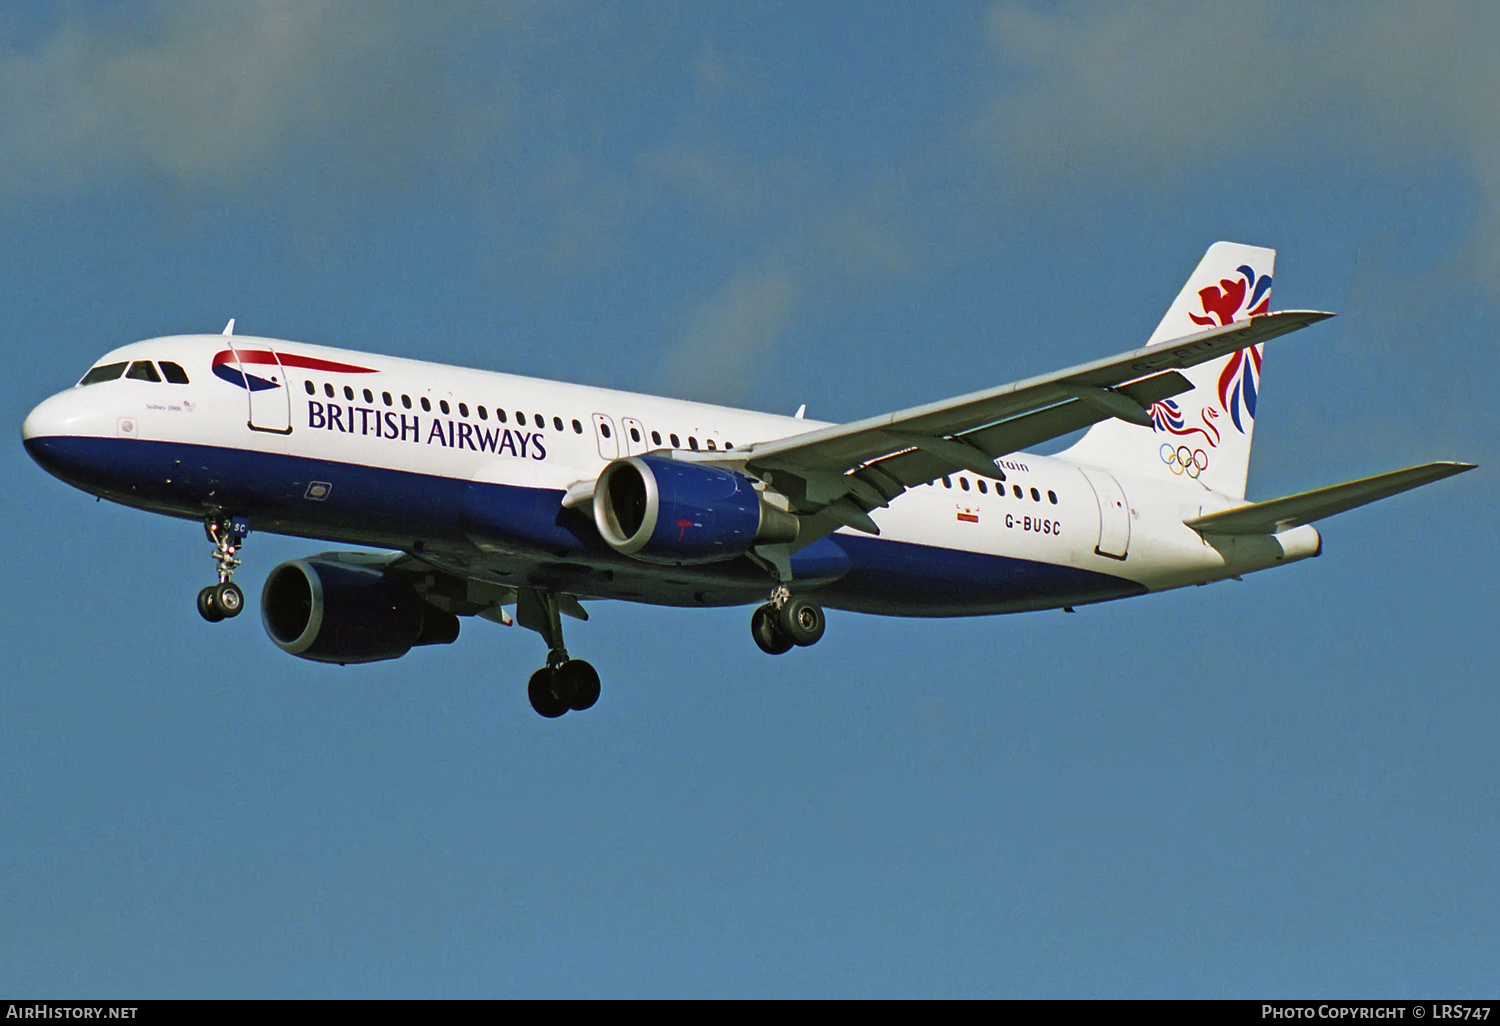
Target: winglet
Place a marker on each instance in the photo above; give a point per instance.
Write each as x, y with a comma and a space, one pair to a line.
228, 328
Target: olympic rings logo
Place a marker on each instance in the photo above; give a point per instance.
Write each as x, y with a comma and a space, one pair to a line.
1183, 460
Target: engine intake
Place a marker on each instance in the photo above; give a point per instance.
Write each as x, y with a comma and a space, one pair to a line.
335, 612
667, 511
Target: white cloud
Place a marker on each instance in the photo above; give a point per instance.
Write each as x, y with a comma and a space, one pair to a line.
727, 337
223, 91
1151, 90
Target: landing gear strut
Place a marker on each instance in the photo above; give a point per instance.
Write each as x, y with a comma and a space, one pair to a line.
223, 600
563, 683
785, 621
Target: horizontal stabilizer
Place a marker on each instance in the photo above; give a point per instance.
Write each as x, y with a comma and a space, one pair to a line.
1305, 507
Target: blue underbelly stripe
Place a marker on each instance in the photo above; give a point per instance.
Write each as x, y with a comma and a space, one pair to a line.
351, 503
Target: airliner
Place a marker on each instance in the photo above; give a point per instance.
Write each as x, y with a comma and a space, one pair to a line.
519, 500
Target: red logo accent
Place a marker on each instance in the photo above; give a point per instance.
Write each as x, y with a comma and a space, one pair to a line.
229, 364
1222, 301
266, 358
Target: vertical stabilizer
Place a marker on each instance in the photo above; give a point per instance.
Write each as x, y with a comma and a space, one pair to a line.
1204, 434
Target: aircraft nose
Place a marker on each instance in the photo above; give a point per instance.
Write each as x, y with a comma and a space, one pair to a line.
40, 422
52, 432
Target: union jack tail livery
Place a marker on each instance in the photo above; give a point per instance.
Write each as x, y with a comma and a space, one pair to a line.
1203, 434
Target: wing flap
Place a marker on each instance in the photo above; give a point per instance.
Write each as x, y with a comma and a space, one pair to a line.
1306, 507
930, 458
840, 447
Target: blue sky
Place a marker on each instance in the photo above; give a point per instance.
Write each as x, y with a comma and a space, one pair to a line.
1287, 785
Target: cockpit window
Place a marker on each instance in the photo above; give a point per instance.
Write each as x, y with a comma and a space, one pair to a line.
174, 373
103, 372
142, 370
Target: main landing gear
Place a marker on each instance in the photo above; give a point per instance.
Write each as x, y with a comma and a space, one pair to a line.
785, 621
563, 683
223, 600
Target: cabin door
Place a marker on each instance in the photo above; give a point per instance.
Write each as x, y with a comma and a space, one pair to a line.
1114, 514
265, 383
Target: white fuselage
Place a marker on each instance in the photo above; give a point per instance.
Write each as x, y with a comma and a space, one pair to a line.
467, 468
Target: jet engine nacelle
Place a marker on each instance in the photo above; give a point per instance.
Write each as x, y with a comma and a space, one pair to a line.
335, 612
667, 511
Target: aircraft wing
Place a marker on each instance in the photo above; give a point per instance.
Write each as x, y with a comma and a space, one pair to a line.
1305, 507
454, 588
837, 474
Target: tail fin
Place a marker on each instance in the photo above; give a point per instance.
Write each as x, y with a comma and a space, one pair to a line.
1203, 434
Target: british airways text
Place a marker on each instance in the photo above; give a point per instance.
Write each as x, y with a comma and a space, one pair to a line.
404, 427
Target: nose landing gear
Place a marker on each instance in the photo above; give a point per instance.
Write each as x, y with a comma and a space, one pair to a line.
787, 621
224, 600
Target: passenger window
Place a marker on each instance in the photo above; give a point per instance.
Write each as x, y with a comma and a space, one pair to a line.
577, 428
1052, 497
729, 445
983, 490
711, 446
483, 413
107, 372
142, 370
656, 438
443, 405
947, 483
328, 389
369, 396
963, 483
635, 434
557, 424
1036, 496
174, 373
463, 409
348, 393
520, 419
385, 397
310, 389
540, 422
426, 405
406, 400
1017, 490
692, 443
500, 415
604, 429
675, 443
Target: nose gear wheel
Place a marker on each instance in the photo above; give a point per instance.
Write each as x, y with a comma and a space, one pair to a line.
225, 599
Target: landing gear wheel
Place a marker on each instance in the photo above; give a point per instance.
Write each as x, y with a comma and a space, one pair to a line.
578, 681
228, 599
802, 621
767, 634
207, 607
224, 600
543, 699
